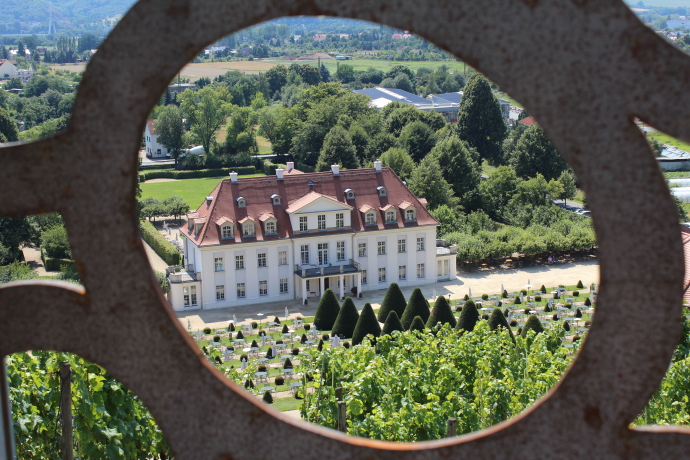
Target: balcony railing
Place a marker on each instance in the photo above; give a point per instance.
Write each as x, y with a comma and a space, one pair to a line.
309, 271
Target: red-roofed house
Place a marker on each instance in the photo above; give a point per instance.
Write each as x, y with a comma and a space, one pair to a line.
528, 121
153, 148
263, 239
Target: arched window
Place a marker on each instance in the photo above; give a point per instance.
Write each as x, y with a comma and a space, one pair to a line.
241, 202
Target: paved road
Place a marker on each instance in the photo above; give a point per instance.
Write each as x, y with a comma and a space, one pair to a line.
481, 282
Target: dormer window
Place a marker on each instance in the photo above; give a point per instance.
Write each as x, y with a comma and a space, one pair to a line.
275, 198
248, 229
241, 202
349, 194
410, 215
270, 227
382, 190
370, 218
226, 231
390, 216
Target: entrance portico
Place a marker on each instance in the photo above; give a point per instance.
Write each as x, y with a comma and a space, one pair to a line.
349, 274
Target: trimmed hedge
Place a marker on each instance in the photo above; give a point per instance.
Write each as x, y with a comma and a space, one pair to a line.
193, 174
159, 243
156, 166
269, 168
441, 313
366, 324
346, 320
51, 264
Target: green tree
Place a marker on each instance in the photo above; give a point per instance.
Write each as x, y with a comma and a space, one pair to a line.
441, 314
495, 192
16, 232
337, 149
13, 271
206, 110
163, 281
399, 161
458, 165
535, 154
8, 128
416, 306
468, 317
448, 219
240, 136
392, 324
55, 243
532, 324
417, 324
480, 121
346, 320
366, 325
417, 139
170, 129
176, 206
427, 182
531, 192
497, 320
394, 300
327, 311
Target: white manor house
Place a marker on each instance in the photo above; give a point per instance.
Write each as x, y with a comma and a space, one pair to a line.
294, 235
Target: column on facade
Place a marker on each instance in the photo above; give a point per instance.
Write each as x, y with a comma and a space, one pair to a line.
321, 284
359, 283
304, 290
342, 286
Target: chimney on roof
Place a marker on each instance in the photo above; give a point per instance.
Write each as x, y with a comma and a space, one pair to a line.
335, 169
280, 173
290, 166
377, 166
233, 177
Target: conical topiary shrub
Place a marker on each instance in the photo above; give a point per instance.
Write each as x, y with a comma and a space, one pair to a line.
240, 336
588, 303
347, 319
417, 324
287, 364
392, 324
566, 326
440, 314
466, 298
366, 324
517, 300
543, 289
468, 317
268, 397
285, 329
580, 285
578, 313
497, 320
327, 311
276, 320
505, 294
231, 327
394, 300
532, 324
416, 306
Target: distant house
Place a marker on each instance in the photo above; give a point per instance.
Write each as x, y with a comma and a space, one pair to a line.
401, 36
8, 70
153, 148
528, 121
319, 37
342, 57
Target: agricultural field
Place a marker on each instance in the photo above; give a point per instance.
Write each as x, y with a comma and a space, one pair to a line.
192, 191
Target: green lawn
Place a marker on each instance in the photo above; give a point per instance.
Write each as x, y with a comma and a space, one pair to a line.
283, 404
193, 191
666, 139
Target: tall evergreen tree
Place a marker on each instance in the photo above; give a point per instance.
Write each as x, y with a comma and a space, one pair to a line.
392, 324
327, 311
347, 319
416, 306
468, 317
366, 324
394, 300
480, 121
337, 149
441, 313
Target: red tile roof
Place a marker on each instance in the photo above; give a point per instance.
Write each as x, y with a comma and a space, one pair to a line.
149, 123
257, 192
528, 121
685, 235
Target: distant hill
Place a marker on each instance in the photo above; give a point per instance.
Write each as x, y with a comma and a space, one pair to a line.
32, 16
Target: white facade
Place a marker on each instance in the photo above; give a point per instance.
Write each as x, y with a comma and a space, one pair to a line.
153, 148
